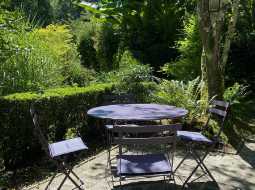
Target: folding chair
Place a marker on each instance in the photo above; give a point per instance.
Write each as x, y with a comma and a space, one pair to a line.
196, 139
58, 152
145, 162
123, 98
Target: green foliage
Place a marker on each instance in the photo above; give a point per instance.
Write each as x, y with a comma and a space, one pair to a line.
97, 44
130, 71
65, 10
240, 67
37, 58
187, 66
62, 109
150, 29
60, 41
132, 77
106, 45
235, 93
45, 12
181, 94
77, 75
39, 11
144, 26
83, 33
27, 62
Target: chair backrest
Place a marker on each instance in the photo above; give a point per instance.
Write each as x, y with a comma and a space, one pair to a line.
122, 130
220, 109
37, 129
137, 135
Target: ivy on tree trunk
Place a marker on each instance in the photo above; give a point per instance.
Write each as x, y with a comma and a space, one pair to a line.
216, 43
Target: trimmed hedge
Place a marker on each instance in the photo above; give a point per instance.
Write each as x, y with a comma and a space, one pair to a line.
60, 109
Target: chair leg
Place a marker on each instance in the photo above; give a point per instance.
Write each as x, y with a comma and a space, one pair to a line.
71, 179
62, 182
185, 157
66, 170
51, 180
196, 158
109, 142
204, 166
77, 177
200, 163
192, 173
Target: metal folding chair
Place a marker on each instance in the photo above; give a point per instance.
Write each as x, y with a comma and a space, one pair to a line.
108, 99
146, 162
58, 152
193, 140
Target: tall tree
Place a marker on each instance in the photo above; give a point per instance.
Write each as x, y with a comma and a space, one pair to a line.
216, 30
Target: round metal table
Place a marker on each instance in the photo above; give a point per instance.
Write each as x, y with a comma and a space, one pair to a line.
137, 112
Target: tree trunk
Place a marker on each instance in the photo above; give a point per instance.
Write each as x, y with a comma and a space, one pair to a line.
211, 46
211, 34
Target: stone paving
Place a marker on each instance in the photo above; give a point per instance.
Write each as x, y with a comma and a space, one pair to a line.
232, 172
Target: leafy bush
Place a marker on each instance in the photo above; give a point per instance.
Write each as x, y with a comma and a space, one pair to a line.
181, 94
97, 44
150, 28
240, 120
235, 93
132, 77
27, 62
187, 65
64, 11
37, 58
39, 11
61, 109
60, 41
76, 75
132, 71
83, 33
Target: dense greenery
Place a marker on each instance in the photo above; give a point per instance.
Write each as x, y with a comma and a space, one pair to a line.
57, 107
37, 58
65, 55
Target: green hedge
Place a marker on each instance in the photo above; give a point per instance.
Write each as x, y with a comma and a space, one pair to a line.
60, 108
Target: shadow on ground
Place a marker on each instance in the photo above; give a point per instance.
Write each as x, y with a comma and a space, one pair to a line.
248, 155
167, 186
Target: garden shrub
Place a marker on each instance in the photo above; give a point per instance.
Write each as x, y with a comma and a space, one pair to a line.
132, 77
106, 45
26, 61
187, 66
83, 33
97, 43
37, 58
59, 39
59, 108
240, 118
63, 111
182, 94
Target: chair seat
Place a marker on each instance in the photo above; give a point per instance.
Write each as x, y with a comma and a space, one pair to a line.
193, 136
152, 164
66, 146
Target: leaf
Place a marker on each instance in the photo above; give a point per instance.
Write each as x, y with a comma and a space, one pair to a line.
93, 8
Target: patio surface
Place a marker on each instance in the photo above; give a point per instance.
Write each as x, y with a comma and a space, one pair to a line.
232, 172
